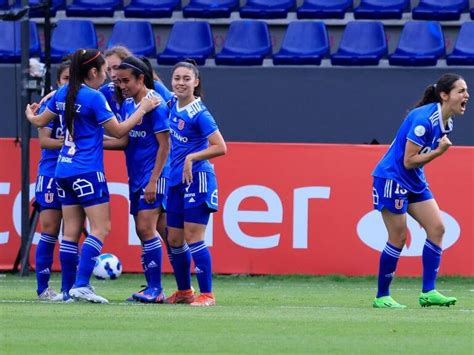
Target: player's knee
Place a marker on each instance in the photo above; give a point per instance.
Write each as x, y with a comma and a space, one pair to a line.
436, 231
50, 227
102, 231
145, 232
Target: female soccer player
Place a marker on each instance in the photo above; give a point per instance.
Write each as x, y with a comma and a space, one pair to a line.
400, 186
146, 149
192, 194
81, 183
51, 139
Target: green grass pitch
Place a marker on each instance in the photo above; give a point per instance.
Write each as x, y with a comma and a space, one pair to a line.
260, 314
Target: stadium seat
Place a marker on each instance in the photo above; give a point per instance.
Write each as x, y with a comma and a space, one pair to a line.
381, 9
421, 43
188, 39
4, 5
323, 9
10, 41
267, 9
36, 12
305, 42
439, 10
463, 52
362, 43
150, 8
137, 36
70, 35
247, 43
210, 8
93, 8
472, 13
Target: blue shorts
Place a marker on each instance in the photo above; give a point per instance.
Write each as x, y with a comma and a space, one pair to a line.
192, 203
46, 194
137, 198
389, 194
85, 189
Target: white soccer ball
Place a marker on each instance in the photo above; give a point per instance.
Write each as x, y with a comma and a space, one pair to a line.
107, 267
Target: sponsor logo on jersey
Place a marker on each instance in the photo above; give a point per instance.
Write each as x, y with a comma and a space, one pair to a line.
178, 136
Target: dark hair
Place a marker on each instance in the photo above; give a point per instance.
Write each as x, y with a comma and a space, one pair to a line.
65, 64
82, 61
154, 73
138, 67
191, 64
433, 92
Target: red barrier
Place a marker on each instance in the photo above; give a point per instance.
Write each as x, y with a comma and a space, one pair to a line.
284, 208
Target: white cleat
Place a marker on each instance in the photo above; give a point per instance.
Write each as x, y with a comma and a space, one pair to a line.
47, 295
86, 293
63, 297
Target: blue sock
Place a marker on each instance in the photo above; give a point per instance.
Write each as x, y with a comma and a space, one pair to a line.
152, 259
431, 259
181, 266
203, 265
69, 257
168, 248
388, 265
142, 261
91, 249
44, 260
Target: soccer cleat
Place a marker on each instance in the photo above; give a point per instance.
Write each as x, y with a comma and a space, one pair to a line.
150, 295
47, 295
434, 298
86, 293
131, 299
386, 302
186, 296
204, 300
63, 297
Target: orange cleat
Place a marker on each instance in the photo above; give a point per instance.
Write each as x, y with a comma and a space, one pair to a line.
204, 300
186, 297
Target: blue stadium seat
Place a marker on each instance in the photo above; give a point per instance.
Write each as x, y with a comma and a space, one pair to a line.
4, 5
305, 42
150, 8
70, 35
93, 8
323, 8
439, 10
421, 43
463, 52
472, 13
362, 43
10, 41
267, 9
137, 36
35, 12
247, 43
188, 39
381, 9
210, 8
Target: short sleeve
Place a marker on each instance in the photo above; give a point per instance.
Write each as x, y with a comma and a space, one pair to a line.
160, 116
419, 132
51, 104
206, 124
101, 108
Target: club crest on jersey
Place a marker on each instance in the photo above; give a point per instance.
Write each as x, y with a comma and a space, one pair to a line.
49, 197
398, 204
180, 124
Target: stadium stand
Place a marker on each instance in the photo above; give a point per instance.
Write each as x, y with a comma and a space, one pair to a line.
267, 9
135, 35
4, 5
421, 44
69, 35
439, 10
381, 9
363, 43
35, 11
93, 8
247, 43
210, 8
10, 46
463, 52
188, 39
472, 13
150, 8
305, 42
312, 9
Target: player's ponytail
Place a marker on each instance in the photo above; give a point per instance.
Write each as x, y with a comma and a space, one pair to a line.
82, 62
191, 64
433, 92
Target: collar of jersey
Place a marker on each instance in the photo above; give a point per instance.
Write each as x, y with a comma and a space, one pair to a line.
440, 117
181, 109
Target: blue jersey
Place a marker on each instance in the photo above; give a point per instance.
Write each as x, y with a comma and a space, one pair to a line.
49, 157
142, 144
424, 127
109, 92
82, 153
190, 127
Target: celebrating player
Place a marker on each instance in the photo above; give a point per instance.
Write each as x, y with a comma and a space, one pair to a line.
192, 194
81, 183
400, 186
